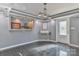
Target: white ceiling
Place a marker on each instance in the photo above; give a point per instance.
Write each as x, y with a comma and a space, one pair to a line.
35, 8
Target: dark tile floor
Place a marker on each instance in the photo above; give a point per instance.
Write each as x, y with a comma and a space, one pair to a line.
41, 49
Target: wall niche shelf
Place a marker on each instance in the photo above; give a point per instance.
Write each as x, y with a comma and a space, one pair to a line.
19, 30
19, 22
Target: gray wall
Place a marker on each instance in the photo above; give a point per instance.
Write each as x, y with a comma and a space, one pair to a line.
74, 31
52, 29
8, 38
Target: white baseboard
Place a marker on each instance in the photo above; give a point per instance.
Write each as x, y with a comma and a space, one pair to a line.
9, 47
74, 45
48, 40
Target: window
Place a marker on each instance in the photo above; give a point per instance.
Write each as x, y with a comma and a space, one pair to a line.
63, 28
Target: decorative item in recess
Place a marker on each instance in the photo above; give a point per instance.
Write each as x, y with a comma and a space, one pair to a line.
44, 26
16, 24
29, 25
